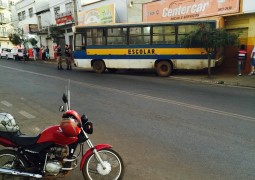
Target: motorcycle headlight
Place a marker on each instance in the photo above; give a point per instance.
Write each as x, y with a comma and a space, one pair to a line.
88, 127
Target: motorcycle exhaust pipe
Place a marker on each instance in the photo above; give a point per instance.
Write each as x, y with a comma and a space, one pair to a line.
18, 173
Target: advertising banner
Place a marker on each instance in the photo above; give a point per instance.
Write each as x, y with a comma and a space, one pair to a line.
64, 19
100, 15
248, 6
187, 9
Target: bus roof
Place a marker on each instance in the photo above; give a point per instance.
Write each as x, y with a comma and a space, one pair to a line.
173, 22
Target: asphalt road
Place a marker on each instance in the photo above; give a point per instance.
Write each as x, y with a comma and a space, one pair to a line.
163, 128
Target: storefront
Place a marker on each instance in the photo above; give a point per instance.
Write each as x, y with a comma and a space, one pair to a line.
239, 17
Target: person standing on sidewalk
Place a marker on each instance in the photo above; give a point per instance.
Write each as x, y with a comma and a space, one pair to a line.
43, 53
241, 58
35, 53
59, 56
47, 53
25, 55
252, 62
68, 57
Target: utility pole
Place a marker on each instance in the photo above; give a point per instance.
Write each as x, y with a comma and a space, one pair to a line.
75, 12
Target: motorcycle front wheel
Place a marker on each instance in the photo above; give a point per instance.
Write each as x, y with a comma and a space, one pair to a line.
114, 170
8, 161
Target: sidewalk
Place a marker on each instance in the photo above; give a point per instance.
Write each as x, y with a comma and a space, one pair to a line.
222, 78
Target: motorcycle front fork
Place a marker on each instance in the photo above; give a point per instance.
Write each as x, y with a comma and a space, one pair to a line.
98, 157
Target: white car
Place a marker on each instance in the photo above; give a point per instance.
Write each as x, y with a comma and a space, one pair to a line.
4, 52
15, 54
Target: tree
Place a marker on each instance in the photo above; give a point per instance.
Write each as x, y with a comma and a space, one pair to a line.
33, 41
15, 39
210, 40
18, 39
55, 33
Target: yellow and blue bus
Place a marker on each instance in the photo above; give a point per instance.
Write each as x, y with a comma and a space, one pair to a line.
140, 46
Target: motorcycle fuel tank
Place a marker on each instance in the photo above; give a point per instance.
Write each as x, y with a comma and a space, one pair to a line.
55, 134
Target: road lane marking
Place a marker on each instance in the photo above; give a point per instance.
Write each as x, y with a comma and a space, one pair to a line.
26, 114
6, 103
168, 101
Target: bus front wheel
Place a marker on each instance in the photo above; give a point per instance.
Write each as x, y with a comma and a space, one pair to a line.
164, 68
99, 66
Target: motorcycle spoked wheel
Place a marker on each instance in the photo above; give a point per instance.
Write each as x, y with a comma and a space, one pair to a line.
93, 170
6, 159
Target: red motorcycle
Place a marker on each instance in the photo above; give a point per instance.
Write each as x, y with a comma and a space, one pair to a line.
52, 153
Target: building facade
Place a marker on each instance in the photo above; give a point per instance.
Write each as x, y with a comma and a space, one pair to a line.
239, 17
5, 23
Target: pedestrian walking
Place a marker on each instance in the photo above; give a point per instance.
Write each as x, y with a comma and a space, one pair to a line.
59, 56
241, 58
252, 62
68, 57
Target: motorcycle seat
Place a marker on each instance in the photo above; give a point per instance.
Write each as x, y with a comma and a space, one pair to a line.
24, 140
20, 139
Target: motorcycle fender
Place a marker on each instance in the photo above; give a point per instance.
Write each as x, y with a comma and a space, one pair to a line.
90, 152
6, 142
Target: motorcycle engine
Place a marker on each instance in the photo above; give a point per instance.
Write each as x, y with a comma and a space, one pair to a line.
55, 159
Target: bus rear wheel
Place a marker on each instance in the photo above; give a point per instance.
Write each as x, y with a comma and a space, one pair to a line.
164, 68
99, 66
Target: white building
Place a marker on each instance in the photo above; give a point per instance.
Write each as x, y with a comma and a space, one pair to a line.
5, 23
37, 17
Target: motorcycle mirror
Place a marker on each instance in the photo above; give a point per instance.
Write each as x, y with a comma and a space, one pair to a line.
64, 98
61, 109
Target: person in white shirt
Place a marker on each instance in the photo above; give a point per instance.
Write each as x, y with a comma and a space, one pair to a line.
252, 62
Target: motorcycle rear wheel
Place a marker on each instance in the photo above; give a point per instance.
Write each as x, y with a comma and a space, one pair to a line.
92, 169
7, 156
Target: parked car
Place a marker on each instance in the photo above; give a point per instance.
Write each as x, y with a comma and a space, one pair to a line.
4, 52
16, 54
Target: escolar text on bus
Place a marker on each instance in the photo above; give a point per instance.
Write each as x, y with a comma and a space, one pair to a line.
141, 51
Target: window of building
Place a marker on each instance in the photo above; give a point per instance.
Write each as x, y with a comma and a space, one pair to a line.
69, 7
23, 15
30, 11
4, 31
69, 30
56, 11
1, 17
19, 16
